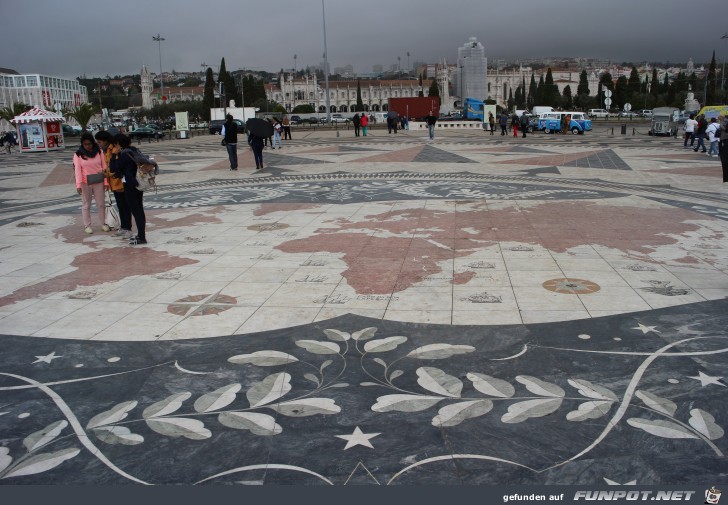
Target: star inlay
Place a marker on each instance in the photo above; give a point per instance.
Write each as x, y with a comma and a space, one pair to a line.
358, 438
47, 358
708, 379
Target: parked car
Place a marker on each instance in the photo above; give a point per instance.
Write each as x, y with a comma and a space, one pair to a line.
645, 113
628, 114
69, 130
598, 113
295, 120
336, 118
313, 120
145, 132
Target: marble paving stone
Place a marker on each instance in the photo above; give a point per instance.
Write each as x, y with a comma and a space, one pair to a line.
529, 298
612, 297
490, 317
549, 316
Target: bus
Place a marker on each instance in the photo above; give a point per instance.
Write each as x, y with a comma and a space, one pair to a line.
550, 122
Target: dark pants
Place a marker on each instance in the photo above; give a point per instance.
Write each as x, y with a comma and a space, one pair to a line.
356, 130
232, 150
257, 154
701, 142
523, 131
135, 200
689, 136
503, 129
124, 210
723, 153
286, 133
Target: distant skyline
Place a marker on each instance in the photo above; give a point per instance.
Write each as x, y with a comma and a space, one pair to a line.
96, 40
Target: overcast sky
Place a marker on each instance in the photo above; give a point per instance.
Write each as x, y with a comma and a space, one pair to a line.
71, 38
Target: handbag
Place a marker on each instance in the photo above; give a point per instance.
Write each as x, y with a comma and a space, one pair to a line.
95, 178
112, 216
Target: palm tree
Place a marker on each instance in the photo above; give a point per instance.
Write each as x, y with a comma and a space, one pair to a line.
83, 114
8, 113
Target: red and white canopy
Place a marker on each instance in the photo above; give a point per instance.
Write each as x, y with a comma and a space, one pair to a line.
37, 114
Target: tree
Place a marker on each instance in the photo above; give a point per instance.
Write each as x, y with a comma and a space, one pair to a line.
303, 109
422, 91
633, 84
540, 89
655, 84
359, 101
621, 91
583, 87
8, 113
208, 99
83, 114
550, 94
710, 97
511, 101
531, 99
567, 100
434, 89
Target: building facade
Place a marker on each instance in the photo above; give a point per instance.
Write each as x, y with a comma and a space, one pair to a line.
46, 92
472, 71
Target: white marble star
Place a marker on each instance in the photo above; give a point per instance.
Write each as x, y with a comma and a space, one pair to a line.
708, 379
615, 483
358, 438
645, 329
47, 358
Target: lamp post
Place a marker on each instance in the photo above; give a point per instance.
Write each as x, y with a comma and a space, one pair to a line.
159, 39
722, 74
326, 67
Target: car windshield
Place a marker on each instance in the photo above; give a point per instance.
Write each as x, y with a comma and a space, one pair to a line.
661, 118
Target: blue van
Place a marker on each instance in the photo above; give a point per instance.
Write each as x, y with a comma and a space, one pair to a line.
550, 122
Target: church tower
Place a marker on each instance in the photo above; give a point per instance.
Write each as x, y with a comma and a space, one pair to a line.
443, 82
146, 88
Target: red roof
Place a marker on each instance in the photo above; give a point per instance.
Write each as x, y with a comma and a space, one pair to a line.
37, 114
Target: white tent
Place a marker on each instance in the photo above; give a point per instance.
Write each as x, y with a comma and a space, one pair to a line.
39, 130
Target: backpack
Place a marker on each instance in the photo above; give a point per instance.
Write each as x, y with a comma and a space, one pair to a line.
147, 170
524, 120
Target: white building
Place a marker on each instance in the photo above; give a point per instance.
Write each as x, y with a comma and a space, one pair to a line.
43, 91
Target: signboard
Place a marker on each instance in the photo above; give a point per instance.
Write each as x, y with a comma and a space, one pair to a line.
182, 120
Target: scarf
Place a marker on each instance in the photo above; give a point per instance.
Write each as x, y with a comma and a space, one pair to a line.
83, 153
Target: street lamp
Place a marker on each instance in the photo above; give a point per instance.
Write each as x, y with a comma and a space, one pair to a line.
326, 67
159, 39
722, 74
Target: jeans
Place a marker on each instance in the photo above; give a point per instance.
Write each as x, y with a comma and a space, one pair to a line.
232, 150
713, 147
432, 131
124, 210
688, 137
701, 142
135, 199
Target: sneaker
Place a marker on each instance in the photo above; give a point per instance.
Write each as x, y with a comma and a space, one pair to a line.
88, 230
105, 227
137, 241
121, 232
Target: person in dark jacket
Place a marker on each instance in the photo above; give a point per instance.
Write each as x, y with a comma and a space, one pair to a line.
524, 124
256, 144
700, 133
230, 133
357, 124
124, 166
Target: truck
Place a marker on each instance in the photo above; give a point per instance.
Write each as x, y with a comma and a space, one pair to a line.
416, 108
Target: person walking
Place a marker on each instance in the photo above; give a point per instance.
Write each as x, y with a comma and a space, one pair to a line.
277, 129
286, 127
700, 133
230, 139
514, 124
124, 166
89, 165
364, 124
503, 120
523, 123
431, 121
689, 129
713, 137
491, 122
256, 144
108, 145
723, 151
357, 124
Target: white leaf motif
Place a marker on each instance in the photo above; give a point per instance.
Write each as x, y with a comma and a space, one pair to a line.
439, 351
541, 388
264, 358
384, 344
364, 334
454, 414
662, 405
42, 463
113, 415
380, 361
405, 403
167, 406
438, 382
589, 410
661, 428
395, 374
319, 347
324, 365
269, 389
118, 435
5, 458
311, 377
593, 391
704, 422
179, 427
519, 412
305, 407
40, 438
258, 424
491, 386
336, 335
218, 399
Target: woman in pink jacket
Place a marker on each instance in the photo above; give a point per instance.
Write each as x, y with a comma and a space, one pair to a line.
88, 161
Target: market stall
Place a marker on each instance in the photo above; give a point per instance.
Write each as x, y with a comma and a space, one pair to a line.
39, 130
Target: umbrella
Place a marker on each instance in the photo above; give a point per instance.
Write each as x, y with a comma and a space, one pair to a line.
392, 114
259, 127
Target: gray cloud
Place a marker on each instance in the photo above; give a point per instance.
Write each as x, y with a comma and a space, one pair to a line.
77, 37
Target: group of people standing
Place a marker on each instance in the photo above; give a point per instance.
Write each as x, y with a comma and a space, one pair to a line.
701, 128
109, 163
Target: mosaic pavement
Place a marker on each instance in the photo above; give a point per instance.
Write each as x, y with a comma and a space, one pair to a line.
379, 310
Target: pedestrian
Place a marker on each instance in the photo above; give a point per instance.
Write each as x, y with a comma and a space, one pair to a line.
724, 148
124, 166
567, 123
89, 165
277, 129
689, 129
357, 124
108, 145
491, 122
431, 120
503, 121
256, 144
514, 124
713, 136
230, 139
700, 133
364, 124
405, 123
523, 123
286, 127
